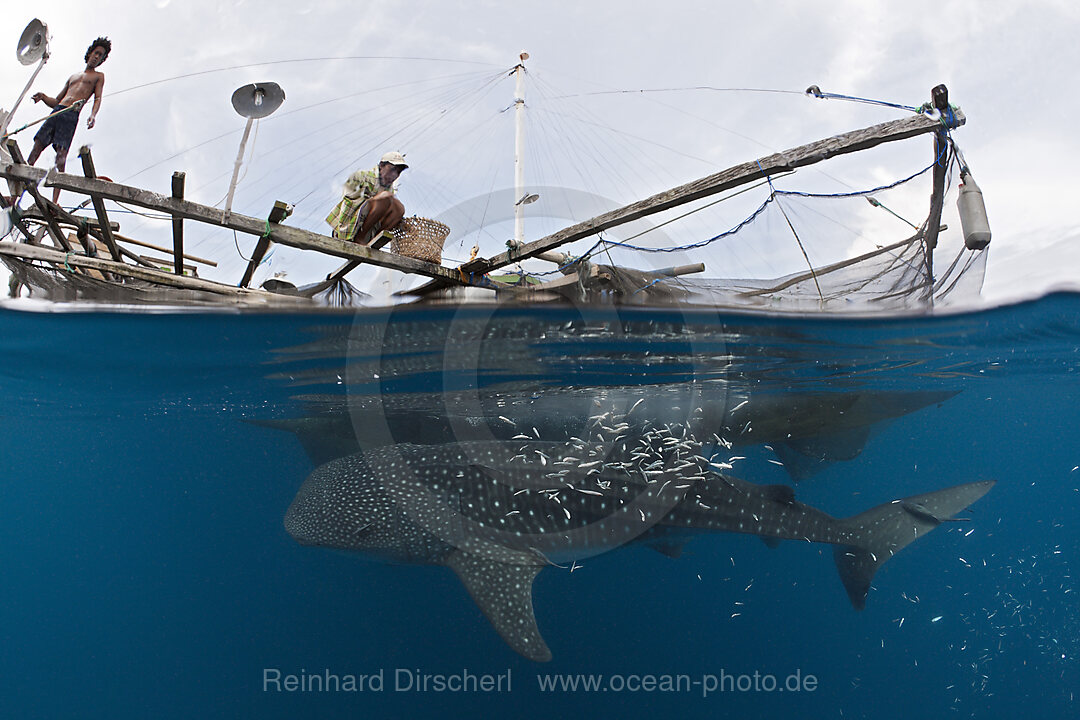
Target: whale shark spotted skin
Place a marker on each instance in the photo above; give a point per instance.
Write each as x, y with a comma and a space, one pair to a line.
808, 430
498, 512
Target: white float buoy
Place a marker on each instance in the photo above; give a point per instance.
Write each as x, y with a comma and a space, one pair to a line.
972, 213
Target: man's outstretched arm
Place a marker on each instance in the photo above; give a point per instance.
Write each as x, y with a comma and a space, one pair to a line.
99, 87
51, 101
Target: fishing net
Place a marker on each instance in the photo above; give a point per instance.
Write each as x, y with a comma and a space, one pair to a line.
803, 241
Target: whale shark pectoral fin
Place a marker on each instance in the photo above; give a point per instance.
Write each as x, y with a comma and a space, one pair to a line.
884, 530
668, 548
503, 592
803, 457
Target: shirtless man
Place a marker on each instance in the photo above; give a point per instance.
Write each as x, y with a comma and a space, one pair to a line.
59, 129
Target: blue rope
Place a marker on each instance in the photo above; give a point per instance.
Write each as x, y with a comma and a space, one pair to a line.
859, 193
948, 118
837, 96
751, 218
693, 246
650, 284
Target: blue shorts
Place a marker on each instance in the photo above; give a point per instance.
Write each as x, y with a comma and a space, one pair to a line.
59, 130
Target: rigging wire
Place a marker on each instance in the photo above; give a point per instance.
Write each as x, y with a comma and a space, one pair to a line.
286, 113
642, 91
366, 136
661, 167
370, 144
812, 91
802, 248
459, 101
332, 152
595, 123
297, 60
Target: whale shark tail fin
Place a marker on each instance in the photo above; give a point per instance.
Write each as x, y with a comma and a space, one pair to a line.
886, 529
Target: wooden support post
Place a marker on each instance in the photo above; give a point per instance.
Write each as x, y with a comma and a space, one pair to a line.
99, 204
277, 214
940, 98
178, 224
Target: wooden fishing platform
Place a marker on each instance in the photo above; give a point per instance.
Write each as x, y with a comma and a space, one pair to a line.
116, 265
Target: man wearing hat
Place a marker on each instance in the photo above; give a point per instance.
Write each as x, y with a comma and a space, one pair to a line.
369, 202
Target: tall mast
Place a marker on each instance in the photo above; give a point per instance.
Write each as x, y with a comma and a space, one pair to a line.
519, 149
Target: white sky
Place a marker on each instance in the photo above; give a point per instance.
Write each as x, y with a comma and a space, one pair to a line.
1009, 66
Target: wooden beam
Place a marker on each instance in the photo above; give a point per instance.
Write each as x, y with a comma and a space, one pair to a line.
16, 218
718, 182
178, 224
281, 234
733, 177
31, 187
279, 212
45, 206
679, 270
332, 278
92, 223
162, 263
99, 205
23, 173
136, 258
381, 239
158, 277
151, 246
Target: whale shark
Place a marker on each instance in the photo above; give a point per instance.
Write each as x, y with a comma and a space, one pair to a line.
806, 430
498, 512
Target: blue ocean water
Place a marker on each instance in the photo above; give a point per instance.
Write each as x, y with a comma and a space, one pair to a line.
150, 458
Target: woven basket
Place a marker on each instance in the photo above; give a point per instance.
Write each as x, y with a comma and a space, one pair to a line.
419, 238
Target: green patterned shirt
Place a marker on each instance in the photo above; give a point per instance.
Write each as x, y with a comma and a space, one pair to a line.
351, 209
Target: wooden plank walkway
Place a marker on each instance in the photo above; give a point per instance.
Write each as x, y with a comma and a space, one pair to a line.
281, 234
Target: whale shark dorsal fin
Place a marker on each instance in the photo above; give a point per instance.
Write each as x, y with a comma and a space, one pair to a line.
503, 592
